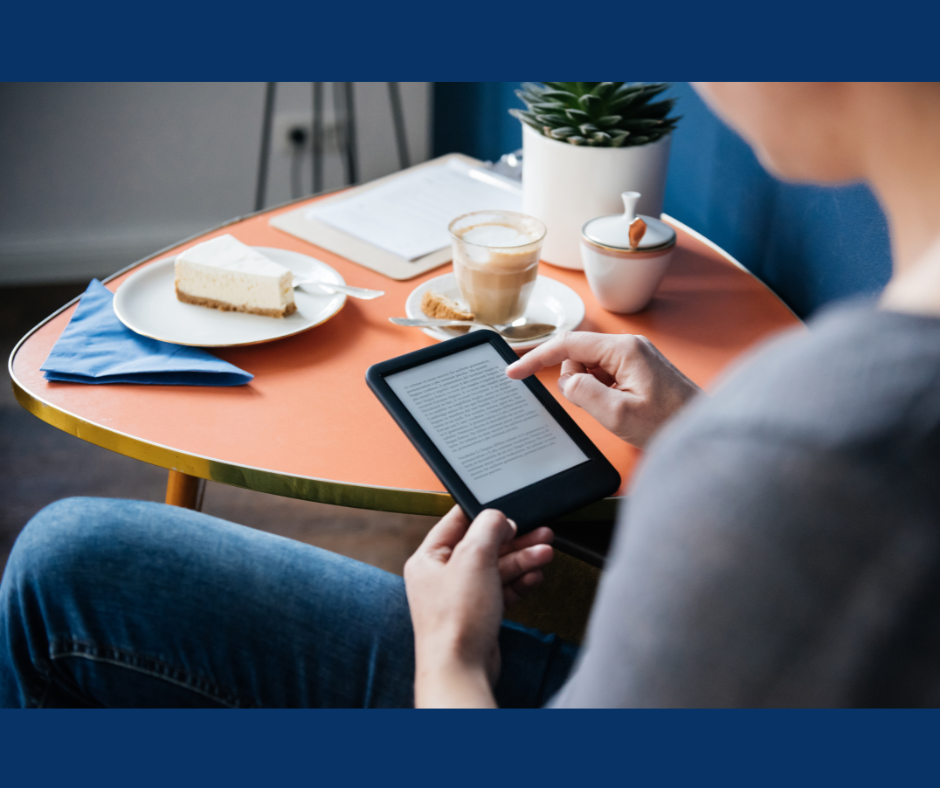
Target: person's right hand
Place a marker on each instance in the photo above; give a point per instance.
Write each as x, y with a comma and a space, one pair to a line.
622, 380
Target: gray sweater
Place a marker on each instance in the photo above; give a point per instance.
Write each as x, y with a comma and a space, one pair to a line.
781, 545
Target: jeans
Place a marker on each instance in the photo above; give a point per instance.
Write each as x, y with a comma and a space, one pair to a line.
125, 603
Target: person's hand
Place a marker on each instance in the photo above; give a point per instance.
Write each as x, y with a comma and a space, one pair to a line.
458, 582
622, 380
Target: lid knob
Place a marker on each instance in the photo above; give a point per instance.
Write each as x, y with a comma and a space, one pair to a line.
629, 205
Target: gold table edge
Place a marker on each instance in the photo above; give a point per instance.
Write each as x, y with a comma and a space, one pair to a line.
329, 491
258, 479
358, 496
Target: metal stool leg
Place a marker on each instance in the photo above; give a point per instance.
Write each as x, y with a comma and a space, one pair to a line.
316, 147
262, 183
346, 116
398, 117
351, 154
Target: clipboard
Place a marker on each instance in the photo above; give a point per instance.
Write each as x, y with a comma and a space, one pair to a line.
358, 250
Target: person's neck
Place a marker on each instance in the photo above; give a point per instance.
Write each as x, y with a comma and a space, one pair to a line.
904, 169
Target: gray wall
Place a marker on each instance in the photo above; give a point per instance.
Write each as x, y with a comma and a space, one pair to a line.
96, 175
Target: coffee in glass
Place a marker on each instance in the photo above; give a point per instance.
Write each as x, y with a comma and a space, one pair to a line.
496, 259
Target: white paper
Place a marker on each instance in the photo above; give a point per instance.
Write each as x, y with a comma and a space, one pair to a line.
492, 430
409, 215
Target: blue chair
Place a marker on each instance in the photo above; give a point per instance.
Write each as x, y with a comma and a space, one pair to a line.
811, 245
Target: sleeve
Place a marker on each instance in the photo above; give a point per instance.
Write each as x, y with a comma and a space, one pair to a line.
754, 569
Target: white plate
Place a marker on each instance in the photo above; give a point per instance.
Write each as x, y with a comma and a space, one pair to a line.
551, 302
146, 303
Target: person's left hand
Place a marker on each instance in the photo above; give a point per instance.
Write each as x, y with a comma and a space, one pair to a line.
458, 582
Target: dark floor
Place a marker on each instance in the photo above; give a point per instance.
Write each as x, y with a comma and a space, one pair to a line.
40, 464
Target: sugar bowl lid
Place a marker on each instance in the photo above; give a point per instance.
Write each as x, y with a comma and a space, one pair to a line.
628, 231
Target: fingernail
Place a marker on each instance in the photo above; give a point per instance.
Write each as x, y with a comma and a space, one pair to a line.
562, 381
513, 524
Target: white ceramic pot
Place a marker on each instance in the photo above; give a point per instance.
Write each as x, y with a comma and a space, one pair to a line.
566, 185
623, 274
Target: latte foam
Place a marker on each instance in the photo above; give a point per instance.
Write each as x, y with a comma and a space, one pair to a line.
500, 235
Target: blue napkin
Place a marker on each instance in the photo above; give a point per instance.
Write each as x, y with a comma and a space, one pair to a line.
96, 347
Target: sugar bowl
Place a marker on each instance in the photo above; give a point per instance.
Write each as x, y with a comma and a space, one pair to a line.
626, 256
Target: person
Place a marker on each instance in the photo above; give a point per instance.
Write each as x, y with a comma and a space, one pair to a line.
781, 545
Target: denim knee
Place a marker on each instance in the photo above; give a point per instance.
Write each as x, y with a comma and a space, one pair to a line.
63, 521
70, 560
61, 517
45, 566
65, 534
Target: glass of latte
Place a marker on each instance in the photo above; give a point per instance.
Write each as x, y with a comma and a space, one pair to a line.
496, 262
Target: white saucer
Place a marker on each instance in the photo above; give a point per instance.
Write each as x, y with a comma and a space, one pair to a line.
551, 302
146, 303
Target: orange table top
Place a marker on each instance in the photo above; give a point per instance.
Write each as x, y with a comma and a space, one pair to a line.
308, 427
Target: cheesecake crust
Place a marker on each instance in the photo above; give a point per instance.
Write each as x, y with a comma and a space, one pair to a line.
224, 306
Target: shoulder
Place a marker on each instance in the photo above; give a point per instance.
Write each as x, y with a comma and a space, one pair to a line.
794, 497
861, 379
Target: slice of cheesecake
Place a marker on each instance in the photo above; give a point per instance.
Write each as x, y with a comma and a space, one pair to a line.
225, 274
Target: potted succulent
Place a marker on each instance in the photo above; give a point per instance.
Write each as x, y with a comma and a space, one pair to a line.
584, 144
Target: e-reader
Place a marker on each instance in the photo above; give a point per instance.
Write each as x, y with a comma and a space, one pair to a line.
495, 443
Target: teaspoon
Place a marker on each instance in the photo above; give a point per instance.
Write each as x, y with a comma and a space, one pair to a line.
517, 331
330, 287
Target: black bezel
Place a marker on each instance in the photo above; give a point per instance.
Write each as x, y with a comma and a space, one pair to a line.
539, 503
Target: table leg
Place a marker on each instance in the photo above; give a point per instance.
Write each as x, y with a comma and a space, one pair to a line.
185, 491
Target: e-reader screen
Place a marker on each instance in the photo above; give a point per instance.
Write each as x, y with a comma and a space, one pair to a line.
493, 431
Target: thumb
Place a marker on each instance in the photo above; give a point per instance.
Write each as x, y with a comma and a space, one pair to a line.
450, 529
487, 534
604, 403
